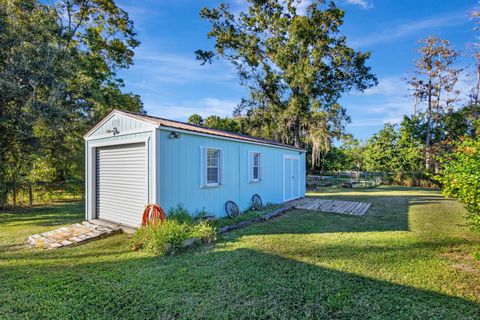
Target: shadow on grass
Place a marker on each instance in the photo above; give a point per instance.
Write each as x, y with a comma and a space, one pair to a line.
212, 283
50, 215
388, 212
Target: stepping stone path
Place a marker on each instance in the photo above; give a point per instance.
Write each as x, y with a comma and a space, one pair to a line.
335, 206
73, 234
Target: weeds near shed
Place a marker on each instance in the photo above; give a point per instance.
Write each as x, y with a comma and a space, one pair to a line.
169, 236
180, 214
245, 216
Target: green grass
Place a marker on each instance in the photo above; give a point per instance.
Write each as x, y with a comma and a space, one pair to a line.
245, 216
410, 257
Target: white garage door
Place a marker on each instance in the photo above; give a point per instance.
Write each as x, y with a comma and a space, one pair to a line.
121, 183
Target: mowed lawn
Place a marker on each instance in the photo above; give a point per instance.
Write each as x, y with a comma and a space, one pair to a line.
409, 257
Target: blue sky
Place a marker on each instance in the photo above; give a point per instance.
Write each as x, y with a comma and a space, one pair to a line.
174, 85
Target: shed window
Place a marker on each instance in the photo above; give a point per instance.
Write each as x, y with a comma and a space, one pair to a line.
212, 167
255, 168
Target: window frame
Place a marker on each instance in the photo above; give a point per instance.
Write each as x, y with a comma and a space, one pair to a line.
205, 167
251, 166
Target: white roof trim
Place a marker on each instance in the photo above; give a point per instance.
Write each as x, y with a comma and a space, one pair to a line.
110, 115
166, 128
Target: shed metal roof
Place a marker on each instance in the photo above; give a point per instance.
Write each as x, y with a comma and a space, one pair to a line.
202, 129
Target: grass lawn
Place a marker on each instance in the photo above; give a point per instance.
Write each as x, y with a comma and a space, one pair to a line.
409, 257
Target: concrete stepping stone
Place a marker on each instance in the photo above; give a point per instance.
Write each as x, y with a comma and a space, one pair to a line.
73, 234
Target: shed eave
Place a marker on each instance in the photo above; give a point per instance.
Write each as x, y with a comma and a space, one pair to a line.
110, 115
166, 128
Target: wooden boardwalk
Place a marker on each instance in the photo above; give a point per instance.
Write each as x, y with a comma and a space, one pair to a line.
335, 206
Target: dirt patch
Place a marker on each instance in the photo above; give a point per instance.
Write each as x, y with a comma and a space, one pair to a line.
462, 260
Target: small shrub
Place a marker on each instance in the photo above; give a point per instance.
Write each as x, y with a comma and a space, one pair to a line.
161, 238
411, 179
167, 237
200, 214
409, 182
461, 178
180, 214
204, 231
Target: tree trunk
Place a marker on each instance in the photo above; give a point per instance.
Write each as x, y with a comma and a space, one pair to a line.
14, 196
296, 133
30, 194
437, 113
429, 128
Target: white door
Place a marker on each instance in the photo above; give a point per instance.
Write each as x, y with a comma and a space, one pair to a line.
291, 182
121, 183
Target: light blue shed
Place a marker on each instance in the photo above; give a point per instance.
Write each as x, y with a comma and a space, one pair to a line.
132, 160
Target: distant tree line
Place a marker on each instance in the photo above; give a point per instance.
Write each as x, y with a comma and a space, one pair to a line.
58, 76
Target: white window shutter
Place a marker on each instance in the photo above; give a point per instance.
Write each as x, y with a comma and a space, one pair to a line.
260, 167
203, 165
220, 169
250, 166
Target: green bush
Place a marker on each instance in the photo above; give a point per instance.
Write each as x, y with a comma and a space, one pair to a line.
180, 214
460, 178
204, 231
167, 237
412, 179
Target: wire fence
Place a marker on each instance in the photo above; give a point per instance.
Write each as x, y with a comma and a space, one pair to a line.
365, 179
345, 180
29, 194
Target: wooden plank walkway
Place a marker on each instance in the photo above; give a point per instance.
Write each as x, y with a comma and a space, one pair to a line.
335, 206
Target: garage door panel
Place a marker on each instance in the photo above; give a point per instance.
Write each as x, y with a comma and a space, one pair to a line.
114, 186
113, 198
120, 177
121, 183
125, 196
119, 174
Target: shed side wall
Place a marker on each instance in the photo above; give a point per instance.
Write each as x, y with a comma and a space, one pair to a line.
179, 173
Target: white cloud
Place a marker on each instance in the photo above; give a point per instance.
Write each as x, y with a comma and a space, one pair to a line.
204, 107
378, 113
362, 3
176, 68
389, 34
384, 103
370, 122
390, 85
389, 101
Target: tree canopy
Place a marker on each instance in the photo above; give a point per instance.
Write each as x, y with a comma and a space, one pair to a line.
58, 64
296, 67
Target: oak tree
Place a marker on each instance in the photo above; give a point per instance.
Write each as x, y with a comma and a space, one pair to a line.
295, 64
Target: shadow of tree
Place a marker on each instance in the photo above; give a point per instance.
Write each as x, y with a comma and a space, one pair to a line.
212, 283
387, 213
51, 215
